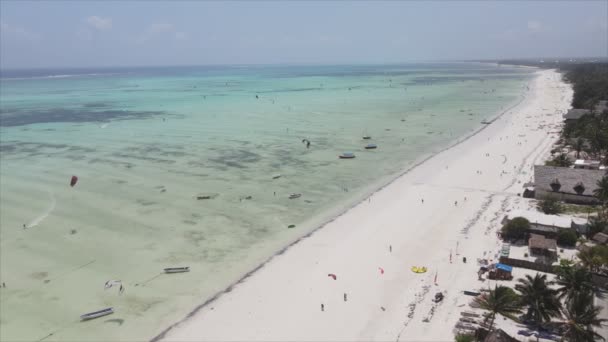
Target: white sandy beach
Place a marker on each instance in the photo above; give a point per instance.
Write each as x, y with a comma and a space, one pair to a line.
282, 300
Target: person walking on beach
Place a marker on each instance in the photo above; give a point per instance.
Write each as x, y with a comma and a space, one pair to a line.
422, 199
390, 248
322, 307
345, 297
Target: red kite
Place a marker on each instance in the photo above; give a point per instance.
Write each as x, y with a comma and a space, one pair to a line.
73, 181
332, 275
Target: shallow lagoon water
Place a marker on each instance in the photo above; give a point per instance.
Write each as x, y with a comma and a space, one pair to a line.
146, 142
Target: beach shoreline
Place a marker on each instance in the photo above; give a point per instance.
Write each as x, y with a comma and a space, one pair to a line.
139, 179
192, 327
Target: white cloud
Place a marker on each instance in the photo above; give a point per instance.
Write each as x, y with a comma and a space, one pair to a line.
18, 32
99, 22
534, 25
160, 28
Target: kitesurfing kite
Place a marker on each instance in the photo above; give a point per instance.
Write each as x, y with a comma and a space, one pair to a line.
417, 269
73, 181
332, 275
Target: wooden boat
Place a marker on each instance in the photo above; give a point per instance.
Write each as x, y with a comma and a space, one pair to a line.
96, 314
371, 146
177, 269
347, 155
472, 293
292, 196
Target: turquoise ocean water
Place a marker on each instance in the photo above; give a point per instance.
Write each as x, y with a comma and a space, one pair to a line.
145, 143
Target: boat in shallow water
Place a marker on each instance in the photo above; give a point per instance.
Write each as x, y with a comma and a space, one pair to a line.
96, 314
371, 146
347, 155
177, 269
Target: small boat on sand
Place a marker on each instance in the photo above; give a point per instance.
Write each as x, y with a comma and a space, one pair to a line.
293, 196
347, 155
96, 314
371, 146
177, 269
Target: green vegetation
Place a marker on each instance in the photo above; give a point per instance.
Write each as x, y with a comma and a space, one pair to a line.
464, 338
594, 258
578, 145
592, 129
540, 300
571, 303
567, 238
502, 300
590, 84
559, 160
602, 190
581, 316
590, 132
516, 229
597, 224
573, 281
549, 205
578, 316
569, 208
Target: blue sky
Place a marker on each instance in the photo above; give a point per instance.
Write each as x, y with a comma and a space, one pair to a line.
113, 33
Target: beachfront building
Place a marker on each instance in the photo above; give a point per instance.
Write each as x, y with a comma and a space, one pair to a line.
588, 164
543, 247
566, 184
600, 239
576, 113
548, 225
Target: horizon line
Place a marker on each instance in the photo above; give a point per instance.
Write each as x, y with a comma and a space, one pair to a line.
549, 59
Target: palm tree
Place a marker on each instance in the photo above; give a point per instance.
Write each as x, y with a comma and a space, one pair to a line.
581, 316
602, 190
560, 160
502, 300
541, 300
574, 282
578, 145
593, 258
